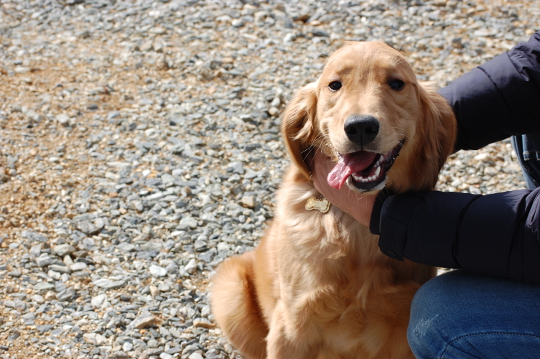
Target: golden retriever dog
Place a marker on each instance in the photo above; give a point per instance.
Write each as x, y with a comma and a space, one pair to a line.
317, 285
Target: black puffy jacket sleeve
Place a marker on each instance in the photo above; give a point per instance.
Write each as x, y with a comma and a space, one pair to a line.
499, 99
497, 234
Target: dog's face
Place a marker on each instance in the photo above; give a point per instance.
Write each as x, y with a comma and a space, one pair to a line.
366, 109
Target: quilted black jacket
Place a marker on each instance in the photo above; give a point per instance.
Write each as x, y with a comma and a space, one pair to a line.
497, 234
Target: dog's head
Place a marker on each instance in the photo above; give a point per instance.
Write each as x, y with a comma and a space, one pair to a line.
365, 110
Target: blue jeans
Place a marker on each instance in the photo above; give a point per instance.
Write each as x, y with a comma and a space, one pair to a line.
460, 316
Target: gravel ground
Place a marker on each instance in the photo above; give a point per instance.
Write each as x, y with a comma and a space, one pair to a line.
139, 148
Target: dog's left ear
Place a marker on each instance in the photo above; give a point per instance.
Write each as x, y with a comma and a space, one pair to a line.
439, 130
297, 125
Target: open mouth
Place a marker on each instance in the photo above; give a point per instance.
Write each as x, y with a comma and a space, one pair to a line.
364, 170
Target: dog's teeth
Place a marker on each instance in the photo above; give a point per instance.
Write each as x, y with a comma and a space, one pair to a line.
359, 178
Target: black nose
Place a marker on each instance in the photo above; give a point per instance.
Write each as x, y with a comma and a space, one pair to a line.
361, 129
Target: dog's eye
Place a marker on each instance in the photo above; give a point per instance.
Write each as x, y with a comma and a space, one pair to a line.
396, 85
334, 85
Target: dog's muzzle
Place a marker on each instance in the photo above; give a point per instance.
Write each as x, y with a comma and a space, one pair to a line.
363, 170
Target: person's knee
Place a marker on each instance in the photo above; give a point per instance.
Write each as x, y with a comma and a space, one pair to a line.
424, 338
460, 315
436, 314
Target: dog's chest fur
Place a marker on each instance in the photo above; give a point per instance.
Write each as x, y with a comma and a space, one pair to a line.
327, 270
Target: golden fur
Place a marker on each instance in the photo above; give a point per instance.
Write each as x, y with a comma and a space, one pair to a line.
318, 286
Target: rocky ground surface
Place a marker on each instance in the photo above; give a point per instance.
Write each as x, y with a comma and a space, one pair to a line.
139, 148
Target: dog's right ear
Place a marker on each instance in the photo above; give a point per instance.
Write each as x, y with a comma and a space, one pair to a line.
297, 125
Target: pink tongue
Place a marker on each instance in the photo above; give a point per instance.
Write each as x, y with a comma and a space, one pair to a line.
347, 165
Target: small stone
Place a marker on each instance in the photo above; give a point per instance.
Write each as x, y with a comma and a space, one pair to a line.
154, 352
43, 260
22, 69
99, 301
44, 328
191, 266
164, 287
77, 266
119, 355
44, 286
167, 178
147, 46
126, 247
188, 222
14, 273
200, 245
190, 349
136, 205
50, 295
38, 298
59, 268
109, 284
203, 323
196, 355
60, 286
34, 236
152, 246
273, 111
157, 271
145, 320
172, 268
154, 291
63, 249
456, 43
155, 196
94, 338
213, 354
252, 147
490, 171
66, 295
54, 275
483, 157
237, 23
63, 119
87, 227
248, 201
142, 237
28, 318
4, 177
320, 33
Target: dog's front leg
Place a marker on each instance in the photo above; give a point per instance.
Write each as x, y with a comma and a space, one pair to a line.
287, 339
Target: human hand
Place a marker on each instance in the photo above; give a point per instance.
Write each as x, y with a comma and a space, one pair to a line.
355, 204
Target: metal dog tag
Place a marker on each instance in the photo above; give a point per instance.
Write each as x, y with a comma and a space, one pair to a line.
321, 205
